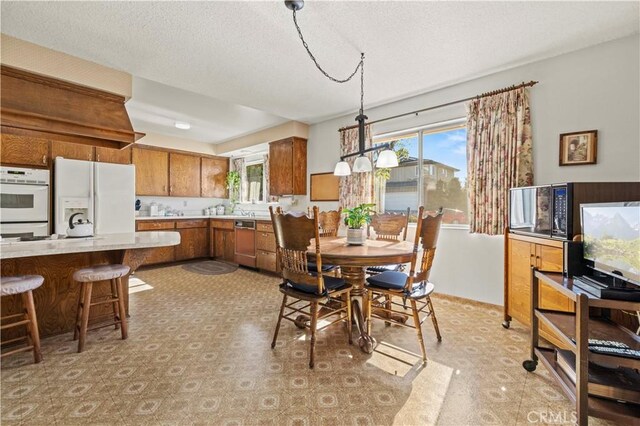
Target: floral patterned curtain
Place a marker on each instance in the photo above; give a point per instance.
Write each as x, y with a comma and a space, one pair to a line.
499, 156
238, 166
358, 187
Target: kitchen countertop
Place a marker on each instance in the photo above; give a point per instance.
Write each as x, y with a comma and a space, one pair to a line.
131, 240
228, 216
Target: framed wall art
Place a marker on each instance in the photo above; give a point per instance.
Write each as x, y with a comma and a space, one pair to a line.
578, 148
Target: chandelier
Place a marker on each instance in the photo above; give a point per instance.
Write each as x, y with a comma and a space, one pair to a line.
387, 158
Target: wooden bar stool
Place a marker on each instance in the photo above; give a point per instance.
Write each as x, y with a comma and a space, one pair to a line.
86, 277
24, 286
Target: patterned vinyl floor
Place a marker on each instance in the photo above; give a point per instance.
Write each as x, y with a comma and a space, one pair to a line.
199, 353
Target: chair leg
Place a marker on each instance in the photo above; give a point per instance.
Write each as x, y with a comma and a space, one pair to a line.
115, 304
76, 328
349, 317
416, 321
369, 297
387, 305
123, 312
34, 334
275, 334
314, 325
434, 319
84, 322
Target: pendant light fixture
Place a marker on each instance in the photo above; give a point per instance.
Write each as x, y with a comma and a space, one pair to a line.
387, 158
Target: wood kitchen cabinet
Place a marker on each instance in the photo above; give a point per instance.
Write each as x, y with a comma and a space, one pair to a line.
116, 156
523, 253
160, 254
24, 150
266, 259
71, 151
152, 171
288, 167
223, 239
194, 239
213, 176
184, 175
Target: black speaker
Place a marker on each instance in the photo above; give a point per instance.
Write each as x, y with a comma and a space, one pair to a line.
573, 262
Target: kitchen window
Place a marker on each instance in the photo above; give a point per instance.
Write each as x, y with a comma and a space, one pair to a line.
255, 181
439, 152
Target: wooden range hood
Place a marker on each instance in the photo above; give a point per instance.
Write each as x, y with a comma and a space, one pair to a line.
35, 105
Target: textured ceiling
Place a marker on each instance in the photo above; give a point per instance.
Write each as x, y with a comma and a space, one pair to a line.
248, 53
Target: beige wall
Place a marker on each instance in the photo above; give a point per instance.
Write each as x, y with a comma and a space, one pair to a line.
41, 60
286, 130
156, 139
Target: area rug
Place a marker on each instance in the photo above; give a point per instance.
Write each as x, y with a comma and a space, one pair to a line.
210, 267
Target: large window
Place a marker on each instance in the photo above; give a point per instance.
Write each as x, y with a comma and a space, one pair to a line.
255, 180
432, 172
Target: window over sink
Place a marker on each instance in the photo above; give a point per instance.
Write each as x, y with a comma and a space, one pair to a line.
255, 182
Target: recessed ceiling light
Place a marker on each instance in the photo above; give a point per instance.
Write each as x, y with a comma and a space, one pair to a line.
183, 125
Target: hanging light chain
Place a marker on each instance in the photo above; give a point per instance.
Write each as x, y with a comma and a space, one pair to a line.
360, 65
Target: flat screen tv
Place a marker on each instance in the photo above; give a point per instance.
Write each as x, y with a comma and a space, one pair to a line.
611, 236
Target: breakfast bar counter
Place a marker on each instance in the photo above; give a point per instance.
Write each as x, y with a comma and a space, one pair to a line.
56, 260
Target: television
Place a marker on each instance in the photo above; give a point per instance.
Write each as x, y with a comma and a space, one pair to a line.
611, 238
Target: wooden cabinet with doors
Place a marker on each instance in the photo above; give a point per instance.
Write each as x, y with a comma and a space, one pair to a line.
522, 253
110, 155
160, 254
223, 239
194, 239
24, 150
266, 259
184, 175
152, 171
71, 151
288, 167
213, 177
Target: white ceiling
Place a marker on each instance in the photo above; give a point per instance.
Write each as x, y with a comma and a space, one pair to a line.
227, 54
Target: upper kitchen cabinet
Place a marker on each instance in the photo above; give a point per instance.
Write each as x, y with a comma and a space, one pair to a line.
116, 156
152, 171
214, 177
24, 150
184, 175
288, 167
71, 151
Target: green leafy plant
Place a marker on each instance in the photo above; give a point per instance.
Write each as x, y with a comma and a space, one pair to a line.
359, 216
233, 184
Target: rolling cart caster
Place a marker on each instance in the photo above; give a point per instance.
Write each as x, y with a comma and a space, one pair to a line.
530, 365
506, 324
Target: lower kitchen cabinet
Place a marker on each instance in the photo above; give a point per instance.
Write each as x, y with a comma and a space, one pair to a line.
194, 243
266, 259
224, 241
160, 255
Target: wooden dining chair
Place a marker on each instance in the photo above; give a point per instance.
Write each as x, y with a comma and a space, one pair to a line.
386, 288
388, 227
329, 224
309, 291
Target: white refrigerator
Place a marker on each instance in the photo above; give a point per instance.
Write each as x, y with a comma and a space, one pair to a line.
104, 193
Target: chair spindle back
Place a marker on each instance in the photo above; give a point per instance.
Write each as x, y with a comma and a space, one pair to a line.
294, 233
427, 231
390, 226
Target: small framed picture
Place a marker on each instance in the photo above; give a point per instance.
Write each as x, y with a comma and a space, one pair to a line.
578, 148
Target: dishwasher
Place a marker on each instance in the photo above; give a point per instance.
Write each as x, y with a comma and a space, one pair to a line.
245, 251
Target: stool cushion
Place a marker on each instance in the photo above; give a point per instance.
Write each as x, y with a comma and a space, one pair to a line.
100, 273
20, 284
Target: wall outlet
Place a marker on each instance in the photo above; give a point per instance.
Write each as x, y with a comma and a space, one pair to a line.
184, 203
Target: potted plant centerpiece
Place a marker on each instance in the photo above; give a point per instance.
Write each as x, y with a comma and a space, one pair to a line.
356, 219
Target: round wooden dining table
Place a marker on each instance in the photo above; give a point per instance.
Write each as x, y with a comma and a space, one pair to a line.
353, 260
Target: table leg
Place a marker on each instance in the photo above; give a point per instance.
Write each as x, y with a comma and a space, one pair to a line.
355, 275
